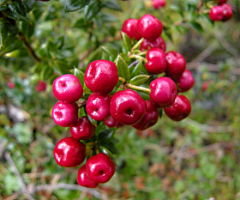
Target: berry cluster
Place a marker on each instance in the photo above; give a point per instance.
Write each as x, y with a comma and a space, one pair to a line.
221, 12
113, 100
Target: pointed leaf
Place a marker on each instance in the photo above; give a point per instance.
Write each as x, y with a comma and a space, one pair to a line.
105, 136
126, 41
19, 10
139, 80
77, 72
112, 4
123, 70
73, 5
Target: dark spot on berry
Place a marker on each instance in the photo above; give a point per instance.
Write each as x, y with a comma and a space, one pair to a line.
129, 111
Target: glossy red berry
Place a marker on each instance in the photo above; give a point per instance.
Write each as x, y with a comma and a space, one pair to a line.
150, 118
98, 106
149, 27
156, 61
157, 4
67, 88
227, 12
180, 109
185, 82
111, 122
69, 152
130, 28
41, 86
216, 13
82, 129
11, 85
101, 76
176, 64
84, 180
158, 43
127, 107
64, 114
100, 168
163, 92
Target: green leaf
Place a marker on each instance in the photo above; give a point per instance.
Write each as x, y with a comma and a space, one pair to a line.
196, 26
27, 29
19, 10
93, 122
62, 66
112, 53
29, 4
77, 72
3, 7
160, 111
46, 73
123, 70
105, 136
112, 4
7, 33
136, 70
92, 10
139, 80
81, 23
73, 5
126, 41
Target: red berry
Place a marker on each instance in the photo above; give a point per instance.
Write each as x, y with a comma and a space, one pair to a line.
150, 118
204, 86
100, 168
101, 76
82, 129
69, 152
158, 3
111, 122
64, 114
84, 180
163, 92
67, 88
98, 106
41, 86
149, 27
185, 82
222, 1
11, 85
156, 61
176, 64
127, 107
216, 13
130, 28
227, 12
180, 109
158, 43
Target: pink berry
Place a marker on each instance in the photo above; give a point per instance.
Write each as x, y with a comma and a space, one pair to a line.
185, 82
158, 43
67, 88
216, 13
41, 86
111, 122
11, 85
227, 12
130, 28
157, 4
84, 180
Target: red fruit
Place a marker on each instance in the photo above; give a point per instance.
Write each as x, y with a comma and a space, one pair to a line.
176, 64
156, 61
185, 82
149, 27
64, 114
111, 122
11, 85
150, 118
216, 13
158, 43
163, 92
98, 106
204, 86
67, 88
130, 28
222, 1
84, 180
82, 129
180, 109
69, 152
158, 3
100, 168
101, 76
227, 12
127, 107
41, 86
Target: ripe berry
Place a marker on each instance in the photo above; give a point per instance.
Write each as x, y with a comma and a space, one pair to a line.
185, 82
227, 12
176, 64
84, 180
130, 28
100, 168
82, 129
11, 85
67, 88
204, 86
98, 106
101, 76
69, 152
156, 61
216, 13
158, 3
158, 43
149, 27
41, 86
163, 92
127, 107
64, 114
111, 122
150, 118
180, 109
222, 1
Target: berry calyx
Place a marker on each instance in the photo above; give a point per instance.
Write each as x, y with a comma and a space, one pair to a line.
185, 82
69, 152
158, 43
84, 180
130, 28
180, 109
101, 76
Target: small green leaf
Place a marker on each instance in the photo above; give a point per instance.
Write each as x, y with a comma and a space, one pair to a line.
7, 33
139, 80
112, 53
105, 136
27, 29
3, 7
73, 5
126, 41
136, 70
46, 72
19, 10
29, 4
112, 4
160, 111
81, 24
196, 26
93, 122
123, 70
92, 9
62, 66
77, 72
